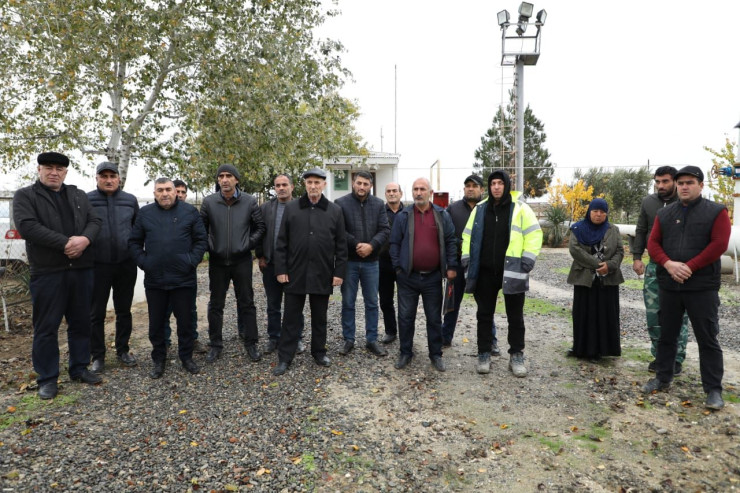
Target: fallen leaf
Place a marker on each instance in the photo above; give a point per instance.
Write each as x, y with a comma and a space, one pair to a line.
504, 426
601, 466
374, 391
337, 432
233, 440
354, 447
465, 340
296, 460
481, 469
685, 449
231, 487
26, 431
193, 444
11, 409
686, 403
574, 428
183, 411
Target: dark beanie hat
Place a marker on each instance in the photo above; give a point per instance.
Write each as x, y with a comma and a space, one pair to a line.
53, 158
228, 168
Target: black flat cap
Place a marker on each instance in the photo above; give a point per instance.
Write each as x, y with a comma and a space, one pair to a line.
692, 171
53, 158
315, 172
475, 179
107, 166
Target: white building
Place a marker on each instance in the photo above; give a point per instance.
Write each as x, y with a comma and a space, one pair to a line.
341, 170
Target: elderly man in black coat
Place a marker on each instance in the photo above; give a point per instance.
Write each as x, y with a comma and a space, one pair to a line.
310, 259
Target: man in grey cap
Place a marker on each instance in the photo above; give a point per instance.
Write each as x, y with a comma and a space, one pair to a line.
687, 241
310, 259
114, 267
59, 225
234, 224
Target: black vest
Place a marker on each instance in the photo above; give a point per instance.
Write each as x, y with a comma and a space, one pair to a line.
686, 232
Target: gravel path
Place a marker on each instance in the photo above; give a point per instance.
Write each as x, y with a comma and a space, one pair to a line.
361, 425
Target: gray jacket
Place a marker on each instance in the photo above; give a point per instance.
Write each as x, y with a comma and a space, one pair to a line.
585, 264
650, 207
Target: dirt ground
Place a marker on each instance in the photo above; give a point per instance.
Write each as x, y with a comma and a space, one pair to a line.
571, 425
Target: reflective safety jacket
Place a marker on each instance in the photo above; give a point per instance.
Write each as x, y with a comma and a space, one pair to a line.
525, 241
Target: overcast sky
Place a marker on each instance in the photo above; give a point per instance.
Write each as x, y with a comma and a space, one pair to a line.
617, 83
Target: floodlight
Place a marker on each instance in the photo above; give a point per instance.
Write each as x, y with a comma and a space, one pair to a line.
525, 10
503, 18
541, 16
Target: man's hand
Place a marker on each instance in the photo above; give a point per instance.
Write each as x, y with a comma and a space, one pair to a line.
262, 263
337, 281
364, 249
76, 246
638, 267
679, 271
451, 274
283, 278
603, 269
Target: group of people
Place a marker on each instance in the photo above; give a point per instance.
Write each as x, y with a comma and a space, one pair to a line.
83, 246
685, 235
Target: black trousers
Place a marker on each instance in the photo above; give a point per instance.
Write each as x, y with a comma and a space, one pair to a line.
293, 325
181, 300
486, 293
121, 278
386, 296
61, 294
702, 308
220, 276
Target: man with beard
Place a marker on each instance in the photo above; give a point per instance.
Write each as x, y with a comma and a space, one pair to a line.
500, 245
665, 187
310, 259
366, 227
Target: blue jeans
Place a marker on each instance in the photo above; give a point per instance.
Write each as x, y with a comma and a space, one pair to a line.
429, 287
366, 274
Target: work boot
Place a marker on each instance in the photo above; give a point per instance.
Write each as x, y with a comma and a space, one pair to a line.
714, 400
516, 365
484, 363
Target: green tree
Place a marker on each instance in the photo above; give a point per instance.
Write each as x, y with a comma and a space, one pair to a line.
625, 190
596, 178
724, 186
125, 80
498, 147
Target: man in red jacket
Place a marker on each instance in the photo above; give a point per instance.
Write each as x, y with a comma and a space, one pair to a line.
687, 240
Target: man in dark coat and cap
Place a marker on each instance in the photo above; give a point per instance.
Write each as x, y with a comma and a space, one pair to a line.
310, 259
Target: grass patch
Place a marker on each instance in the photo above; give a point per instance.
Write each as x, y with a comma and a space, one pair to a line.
727, 297
562, 270
593, 437
30, 406
308, 461
568, 385
637, 354
534, 306
633, 284
731, 398
556, 446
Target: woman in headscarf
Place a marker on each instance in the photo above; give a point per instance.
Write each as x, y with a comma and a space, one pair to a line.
596, 248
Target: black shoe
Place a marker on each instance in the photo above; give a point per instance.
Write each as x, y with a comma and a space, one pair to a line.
677, 368
388, 338
189, 366
213, 354
403, 361
48, 390
655, 385
272, 345
253, 352
495, 351
322, 360
157, 370
714, 400
347, 348
438, 363
126, 359
447, 344
301, 347
199, 347
651, 366
376, 348
87, 377
98, 366
281, 368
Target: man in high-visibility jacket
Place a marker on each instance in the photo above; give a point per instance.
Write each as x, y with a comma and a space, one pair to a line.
501, 242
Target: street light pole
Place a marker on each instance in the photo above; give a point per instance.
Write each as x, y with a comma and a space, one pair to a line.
524, 50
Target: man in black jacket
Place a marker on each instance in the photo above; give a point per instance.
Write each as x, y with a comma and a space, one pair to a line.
310, 259
387, 274
114, 267
272, 213
168, 242
366, 226
234, 225
58, 224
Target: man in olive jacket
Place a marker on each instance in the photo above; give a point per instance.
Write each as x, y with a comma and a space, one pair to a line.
310, 259
234, 224
58, 224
